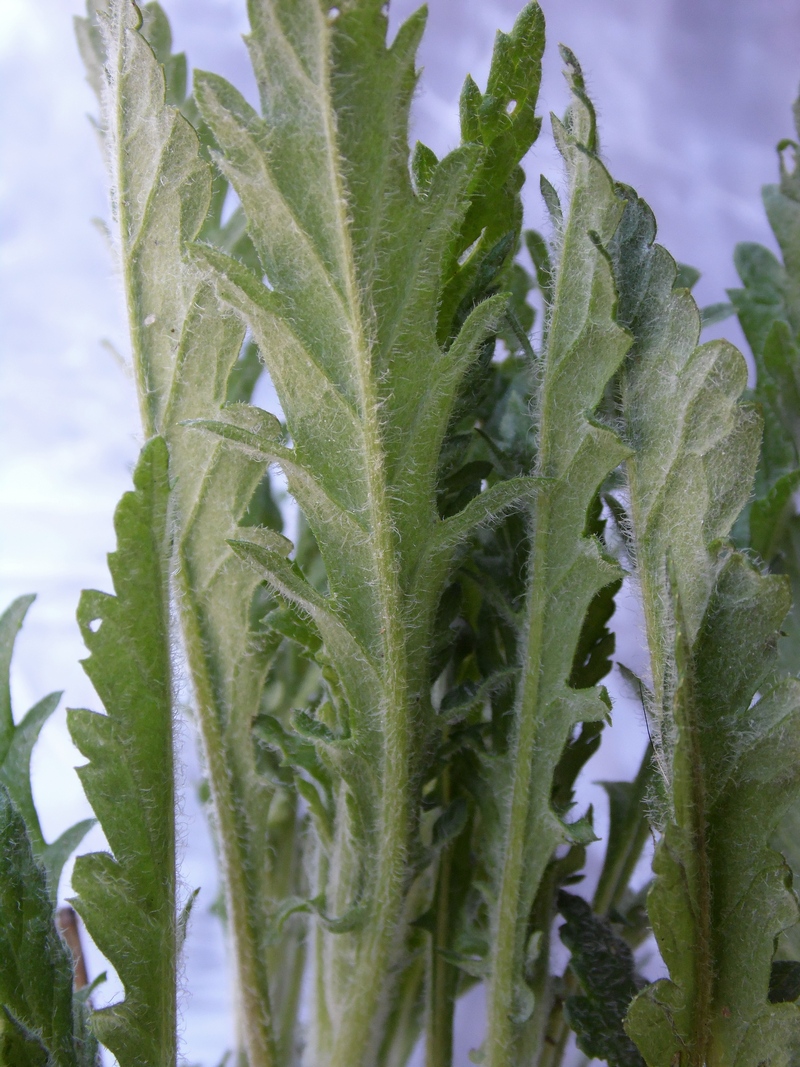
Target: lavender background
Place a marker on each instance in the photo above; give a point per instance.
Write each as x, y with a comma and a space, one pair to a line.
692, 97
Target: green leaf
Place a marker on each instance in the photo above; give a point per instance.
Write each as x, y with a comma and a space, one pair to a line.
595, 647
770, 515
16, 746
40, 1023
628, 831
359, 286
450, 823
605, 968
568, 566
504, 123
721, 895
687, 277
695, 445
769, 313
715, 313
128, 900
91, 45
185, 351
719, 899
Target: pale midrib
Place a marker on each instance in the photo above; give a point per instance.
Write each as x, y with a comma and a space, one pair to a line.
698, 831
351, 1041
168, 963
500, 1051
144, 393
654, 593
252, 987
258, 1031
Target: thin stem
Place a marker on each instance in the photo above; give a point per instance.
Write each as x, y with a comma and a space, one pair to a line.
439, 1028
520, 828
632, 834
242, 909
614, 880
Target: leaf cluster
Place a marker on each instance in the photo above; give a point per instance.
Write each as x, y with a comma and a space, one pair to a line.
395, 708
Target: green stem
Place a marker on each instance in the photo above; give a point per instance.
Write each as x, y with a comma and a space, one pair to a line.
242, 907
614, 880
695, 817
439, 1028
521, 826
619, 865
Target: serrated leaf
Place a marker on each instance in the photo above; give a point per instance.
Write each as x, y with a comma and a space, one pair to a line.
770, 515
41, 1025
504, 122
695, 444
128, 900
362, 278
721, 896
769, 312
186, 347
568, 566
605, 968
16, 746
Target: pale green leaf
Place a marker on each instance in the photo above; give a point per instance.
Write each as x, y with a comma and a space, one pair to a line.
722, 896
346, 313
695, 444
186, 347
576, 452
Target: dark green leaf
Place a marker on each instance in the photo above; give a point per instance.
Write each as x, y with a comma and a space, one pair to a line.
16, 747
42, 1025
784, 981
128, 900
603, 963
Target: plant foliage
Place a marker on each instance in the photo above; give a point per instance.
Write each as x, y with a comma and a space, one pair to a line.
395, 709
128, 900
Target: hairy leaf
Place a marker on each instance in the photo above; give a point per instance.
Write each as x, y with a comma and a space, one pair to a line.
721, 895
695, 445
128, 900
568, 567
712, 627
186, 348
355, 258
41, 1023
604, 965
768, 306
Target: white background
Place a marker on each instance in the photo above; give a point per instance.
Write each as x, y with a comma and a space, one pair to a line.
692, 97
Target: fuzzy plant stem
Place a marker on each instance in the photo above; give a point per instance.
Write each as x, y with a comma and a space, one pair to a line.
133, 73
255, 1017
353, 1037
507, 933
